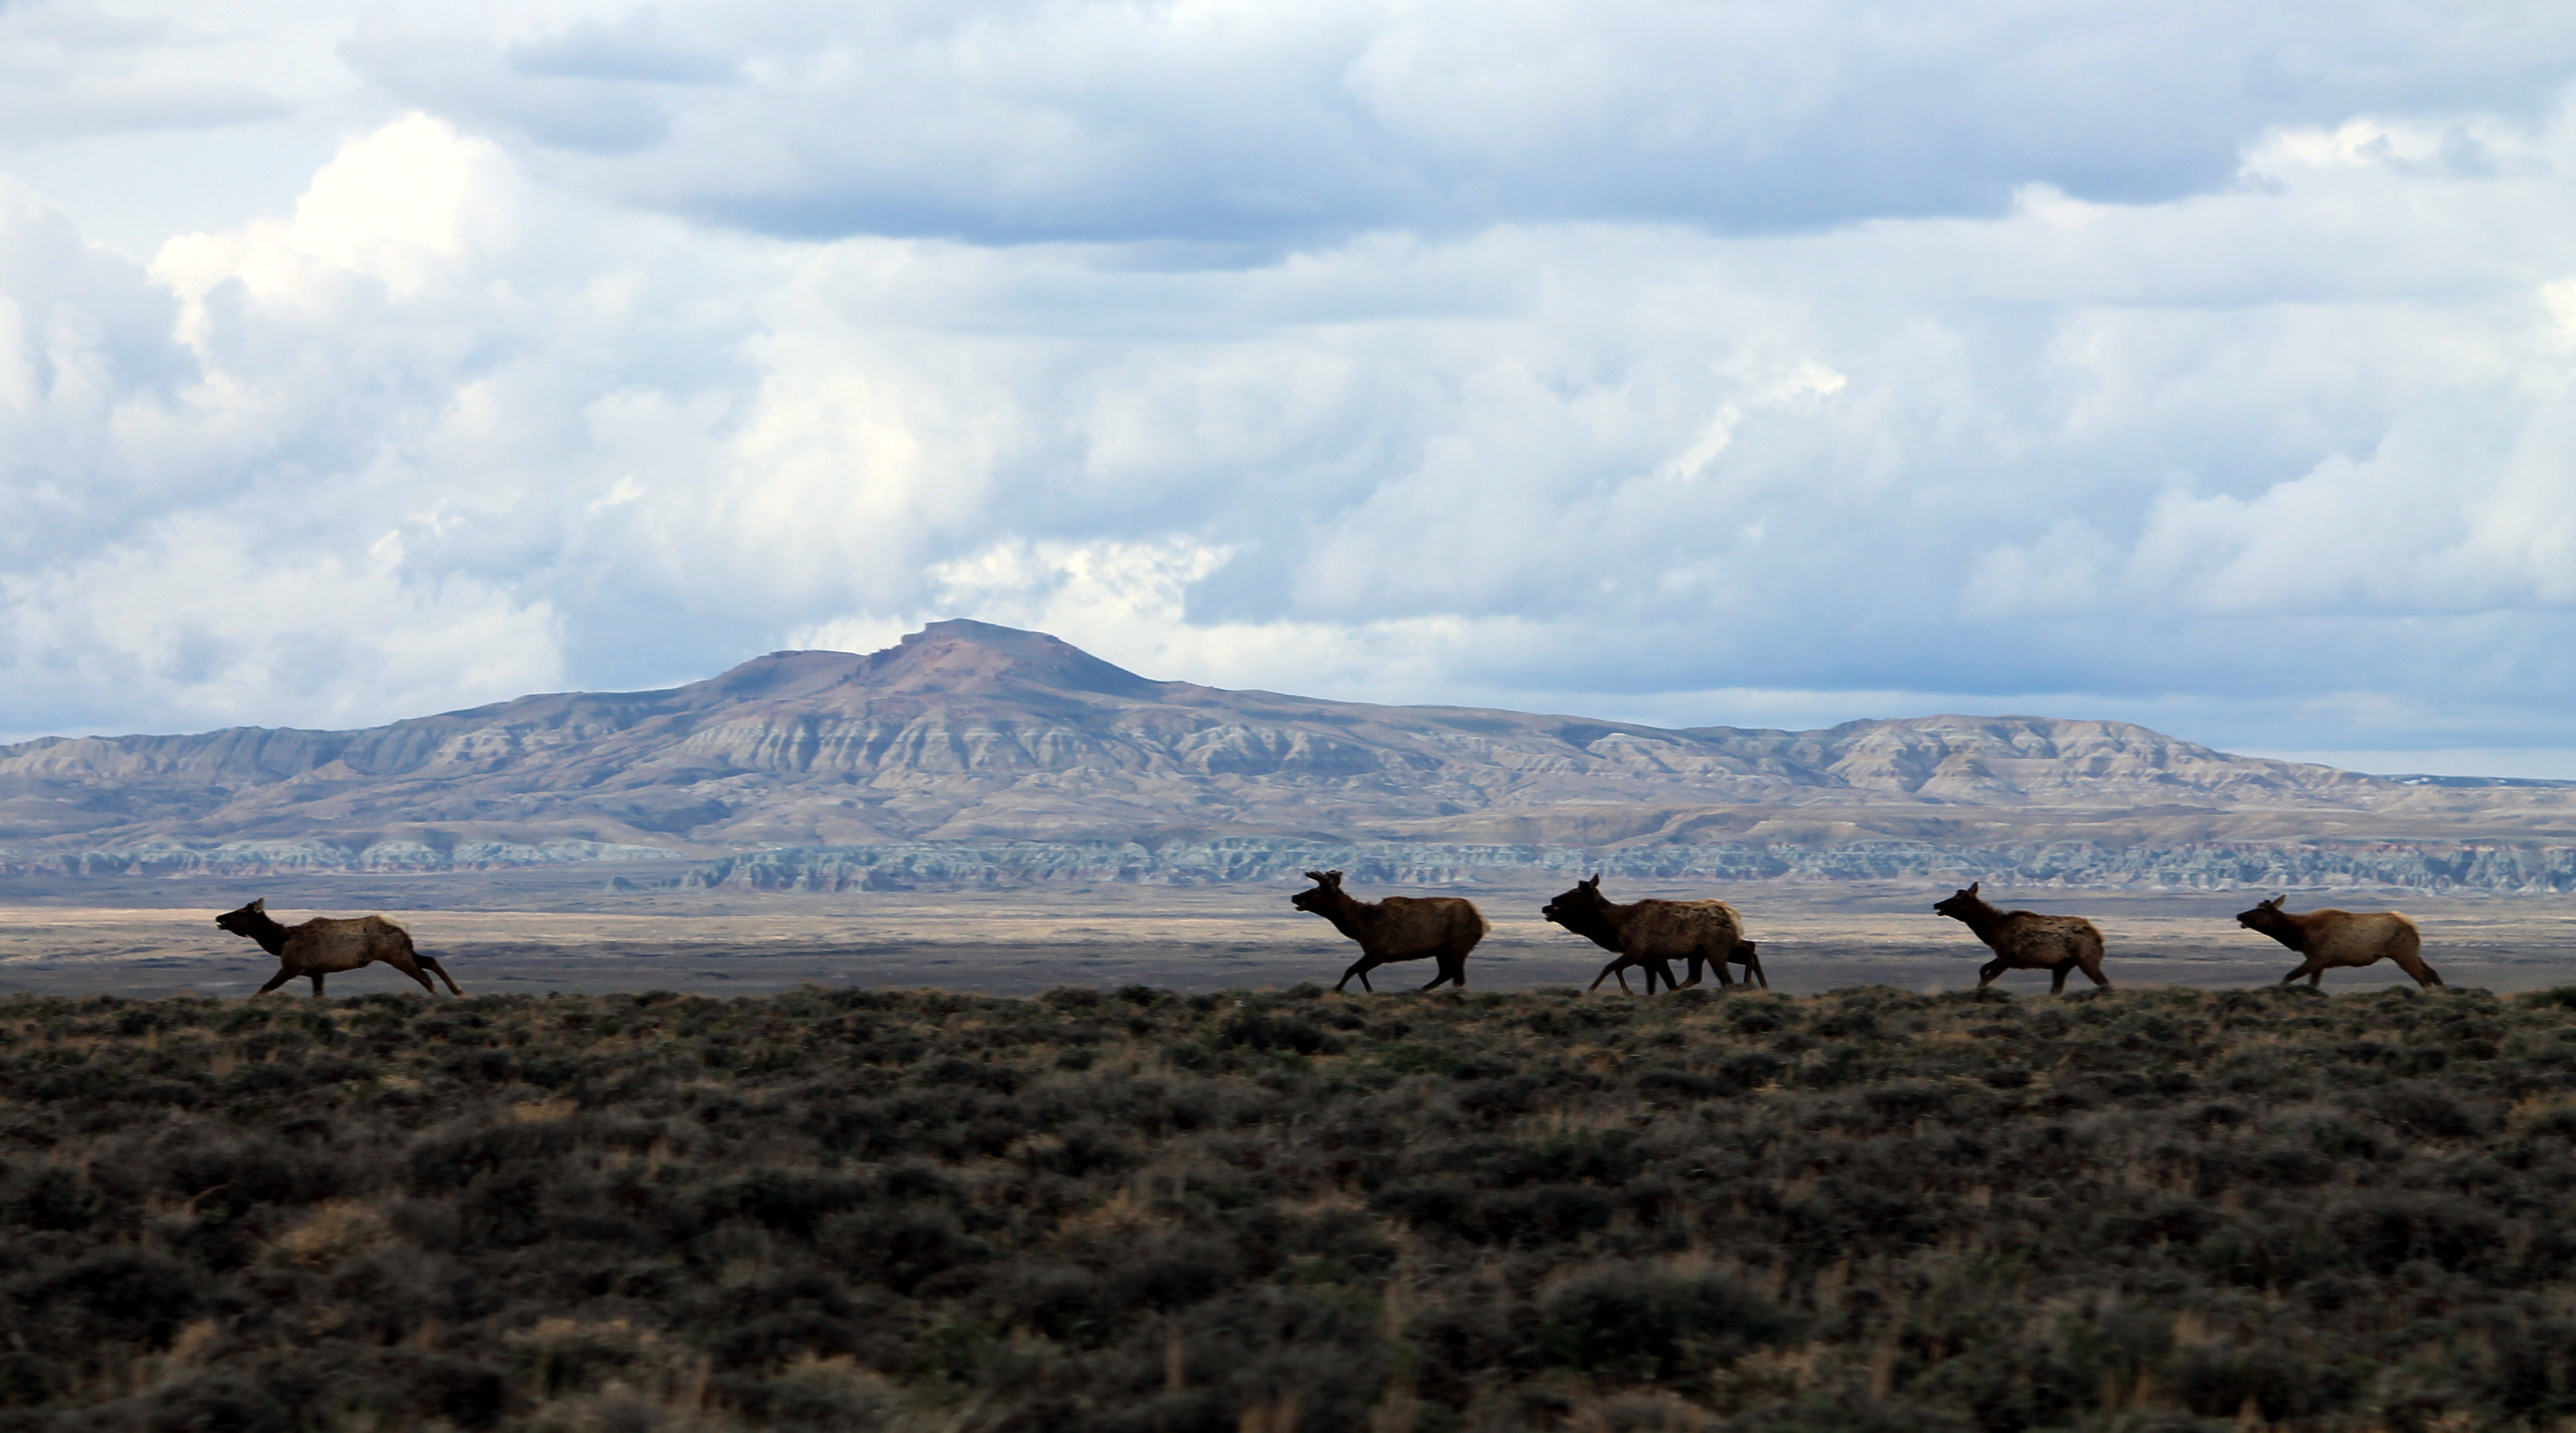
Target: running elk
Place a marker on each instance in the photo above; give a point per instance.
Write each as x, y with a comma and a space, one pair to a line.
1439, 928
1653, 934
2332, 939
323, 946
2024, 941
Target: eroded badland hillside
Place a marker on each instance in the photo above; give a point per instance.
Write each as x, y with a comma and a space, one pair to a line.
971, 752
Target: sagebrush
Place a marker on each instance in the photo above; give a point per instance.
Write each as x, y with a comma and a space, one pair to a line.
856, 1209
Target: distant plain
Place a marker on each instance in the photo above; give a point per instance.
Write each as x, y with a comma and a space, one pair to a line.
569, 929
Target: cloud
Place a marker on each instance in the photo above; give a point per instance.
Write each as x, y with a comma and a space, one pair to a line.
69, 70
87, 364
2275, 457
189, 620
1273, 123
399, 208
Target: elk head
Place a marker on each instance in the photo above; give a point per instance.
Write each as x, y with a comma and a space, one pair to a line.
1584, 903
248, 920
1960, 903
2267, 916
1328, 884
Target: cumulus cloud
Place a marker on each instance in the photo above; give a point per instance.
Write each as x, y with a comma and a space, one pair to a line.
193, 618
2268, 448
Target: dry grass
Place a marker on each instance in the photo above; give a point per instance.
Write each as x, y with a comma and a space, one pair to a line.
1291, 1212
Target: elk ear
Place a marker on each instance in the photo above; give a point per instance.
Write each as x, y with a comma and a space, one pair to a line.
1972, 887
1332, 878
260, 905
1316, 876
2275, 902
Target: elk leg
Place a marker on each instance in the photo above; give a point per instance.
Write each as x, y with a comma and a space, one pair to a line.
1360, 968
1606, 972
1452, 968
2093, 971
2057, 976
1987, 972
1752, 966
274, 981
2414, 965
317, 987
407, 968
431, 964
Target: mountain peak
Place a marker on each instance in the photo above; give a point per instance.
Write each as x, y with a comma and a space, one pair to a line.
965, 655
987, 634
955, 657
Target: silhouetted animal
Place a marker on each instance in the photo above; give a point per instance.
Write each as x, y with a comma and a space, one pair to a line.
2332, 939
1653, 934
1440, 928
2023, 941
324, 946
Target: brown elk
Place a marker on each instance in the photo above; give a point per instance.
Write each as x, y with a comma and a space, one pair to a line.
2022, 940
1653, 934
324, 946
2332, 939
1439, 928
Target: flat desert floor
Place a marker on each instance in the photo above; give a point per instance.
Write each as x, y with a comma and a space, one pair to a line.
573, 930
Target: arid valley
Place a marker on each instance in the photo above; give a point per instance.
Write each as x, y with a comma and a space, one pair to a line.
928, 1041
549, 929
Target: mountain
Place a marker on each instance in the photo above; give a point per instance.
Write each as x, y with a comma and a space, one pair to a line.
967, 736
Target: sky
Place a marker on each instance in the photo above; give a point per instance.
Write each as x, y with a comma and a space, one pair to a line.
1712, 363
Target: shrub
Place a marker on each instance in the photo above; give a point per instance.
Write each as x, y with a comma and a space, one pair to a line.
1633, 1324
2276, 1383
854, 1208
1262, 1031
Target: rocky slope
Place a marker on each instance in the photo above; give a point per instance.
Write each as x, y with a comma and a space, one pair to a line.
968, 737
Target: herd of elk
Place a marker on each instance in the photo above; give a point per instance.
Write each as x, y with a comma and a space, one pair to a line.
1648, 934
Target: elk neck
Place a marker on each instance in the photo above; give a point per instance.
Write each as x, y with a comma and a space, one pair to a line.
2288, 929
270, 935
1348, 913
1983, 919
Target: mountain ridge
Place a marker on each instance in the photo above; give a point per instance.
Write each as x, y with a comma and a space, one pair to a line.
967, 732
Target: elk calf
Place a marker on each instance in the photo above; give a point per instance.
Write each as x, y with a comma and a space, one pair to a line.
2332, 939
1438, 928
2022, 940
323, 946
